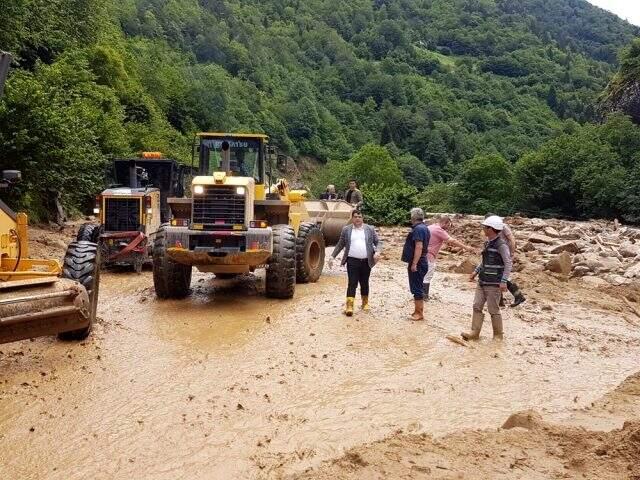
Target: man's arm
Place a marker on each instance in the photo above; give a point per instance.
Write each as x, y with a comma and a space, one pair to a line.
459, 244
508, 264
417, 253
341, 243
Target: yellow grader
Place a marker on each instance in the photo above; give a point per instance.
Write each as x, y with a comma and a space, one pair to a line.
133, 207
39, 296
235, 223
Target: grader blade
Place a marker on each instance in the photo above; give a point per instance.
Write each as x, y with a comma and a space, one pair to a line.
40, 307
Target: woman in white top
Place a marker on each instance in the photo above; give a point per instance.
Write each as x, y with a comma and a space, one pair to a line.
361, 252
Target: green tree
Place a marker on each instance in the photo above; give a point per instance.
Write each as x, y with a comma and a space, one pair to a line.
485, 184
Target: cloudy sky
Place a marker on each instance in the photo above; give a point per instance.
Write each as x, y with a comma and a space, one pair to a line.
627, 9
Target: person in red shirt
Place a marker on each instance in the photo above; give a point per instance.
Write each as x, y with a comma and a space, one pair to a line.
439, 236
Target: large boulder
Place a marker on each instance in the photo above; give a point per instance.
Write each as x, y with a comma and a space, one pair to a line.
551, 232
560, 264
537, 238
633, 272
467, 266
629, 250
571, 247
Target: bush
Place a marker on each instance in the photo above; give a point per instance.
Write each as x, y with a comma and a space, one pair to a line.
437, 198
388, 205
485, 184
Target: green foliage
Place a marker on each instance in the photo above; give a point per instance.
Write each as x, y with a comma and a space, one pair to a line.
437, 198
485, 184
388, 204
372, 165
414, 171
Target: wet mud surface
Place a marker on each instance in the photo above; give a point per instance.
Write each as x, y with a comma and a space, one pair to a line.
229, 384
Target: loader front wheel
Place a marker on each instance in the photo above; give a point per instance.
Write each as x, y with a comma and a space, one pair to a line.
281, 268
310, 249
82, 264
170, 279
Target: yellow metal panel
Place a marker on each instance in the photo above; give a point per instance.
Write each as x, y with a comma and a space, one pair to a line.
260, 191
295, 219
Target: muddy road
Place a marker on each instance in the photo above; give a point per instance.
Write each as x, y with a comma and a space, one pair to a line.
228, 384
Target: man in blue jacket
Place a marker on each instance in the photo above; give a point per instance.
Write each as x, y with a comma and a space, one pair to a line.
414, 254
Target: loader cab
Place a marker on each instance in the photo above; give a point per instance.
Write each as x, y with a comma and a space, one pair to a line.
237, 155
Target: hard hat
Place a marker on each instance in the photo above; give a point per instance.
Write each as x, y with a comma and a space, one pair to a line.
494, 222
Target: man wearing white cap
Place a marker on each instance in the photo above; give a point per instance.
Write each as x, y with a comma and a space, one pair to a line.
493, 275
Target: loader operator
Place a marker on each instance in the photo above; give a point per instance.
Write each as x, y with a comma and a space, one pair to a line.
493, 272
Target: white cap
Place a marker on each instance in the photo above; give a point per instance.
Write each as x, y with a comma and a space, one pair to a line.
494, 222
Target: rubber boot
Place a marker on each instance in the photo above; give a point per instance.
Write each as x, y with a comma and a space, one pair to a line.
418, 315
476, 326
425, 287
518, 300
496, 323
365, 303
348, 311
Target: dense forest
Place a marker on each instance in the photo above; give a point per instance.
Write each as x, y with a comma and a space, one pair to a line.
454, 104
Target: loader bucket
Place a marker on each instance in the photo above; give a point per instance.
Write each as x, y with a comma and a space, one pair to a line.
331, 215
47, 306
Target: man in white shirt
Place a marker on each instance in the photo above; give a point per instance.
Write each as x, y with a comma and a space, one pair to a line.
361, 252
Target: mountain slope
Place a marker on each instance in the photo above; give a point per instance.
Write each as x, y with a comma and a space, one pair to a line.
443, 80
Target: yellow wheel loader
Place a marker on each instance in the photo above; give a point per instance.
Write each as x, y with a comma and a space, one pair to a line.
39, 296
235, 223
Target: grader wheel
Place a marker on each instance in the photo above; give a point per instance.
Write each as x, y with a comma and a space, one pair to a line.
82, 264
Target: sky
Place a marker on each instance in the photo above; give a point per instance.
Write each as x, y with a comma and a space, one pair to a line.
627, 9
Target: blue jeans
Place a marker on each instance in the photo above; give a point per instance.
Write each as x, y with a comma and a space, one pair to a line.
416, 279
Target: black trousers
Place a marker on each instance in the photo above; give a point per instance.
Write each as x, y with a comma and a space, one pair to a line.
358, 272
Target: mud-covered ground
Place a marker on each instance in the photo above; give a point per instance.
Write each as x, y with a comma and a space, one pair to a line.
228, 384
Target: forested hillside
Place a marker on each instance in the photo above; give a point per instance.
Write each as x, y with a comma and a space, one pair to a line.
440, 82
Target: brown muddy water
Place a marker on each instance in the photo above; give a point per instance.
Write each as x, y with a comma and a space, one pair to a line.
228, 384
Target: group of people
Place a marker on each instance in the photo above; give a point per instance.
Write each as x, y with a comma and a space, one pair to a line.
353, 195
362, 249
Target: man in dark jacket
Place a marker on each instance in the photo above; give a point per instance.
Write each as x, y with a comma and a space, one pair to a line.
353, 195
361, 252
493, 275
414, 254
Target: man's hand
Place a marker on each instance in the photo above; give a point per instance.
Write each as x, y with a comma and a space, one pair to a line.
414, 267
376, 257
330, 262
472, 277
503, 287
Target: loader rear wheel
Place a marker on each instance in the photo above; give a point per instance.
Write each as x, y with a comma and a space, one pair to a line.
281, 270
310, 249
89, 232
82, 264
170, 279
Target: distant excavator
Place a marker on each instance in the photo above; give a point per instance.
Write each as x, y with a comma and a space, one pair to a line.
39, 296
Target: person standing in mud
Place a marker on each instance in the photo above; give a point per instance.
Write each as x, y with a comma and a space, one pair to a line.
414, 254
493, 275
361, 252
439, 236
509, 238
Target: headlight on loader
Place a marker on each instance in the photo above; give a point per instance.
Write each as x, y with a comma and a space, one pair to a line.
240, 190
198, 189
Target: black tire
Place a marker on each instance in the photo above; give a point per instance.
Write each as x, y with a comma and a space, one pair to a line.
170, 279
310, 250
89, 232
82, 264
281, 268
